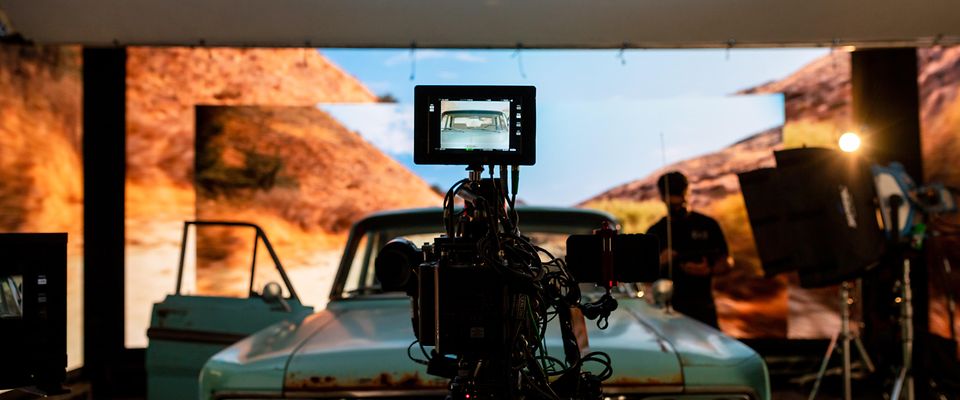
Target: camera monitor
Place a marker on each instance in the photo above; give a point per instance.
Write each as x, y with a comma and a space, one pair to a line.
475, 125
33, 310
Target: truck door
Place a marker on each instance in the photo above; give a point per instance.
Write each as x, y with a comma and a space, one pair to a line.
219, 299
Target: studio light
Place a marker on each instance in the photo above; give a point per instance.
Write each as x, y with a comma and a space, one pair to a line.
849, 142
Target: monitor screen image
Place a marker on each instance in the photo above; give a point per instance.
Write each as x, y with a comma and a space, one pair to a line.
11, 297
475, 125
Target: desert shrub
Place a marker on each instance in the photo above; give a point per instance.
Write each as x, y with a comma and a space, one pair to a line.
634, 216
259, 171
812, 134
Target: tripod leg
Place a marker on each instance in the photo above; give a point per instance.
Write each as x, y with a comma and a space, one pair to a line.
898, 386
867, 362
847, 385
823, 366
845, 337
910, 390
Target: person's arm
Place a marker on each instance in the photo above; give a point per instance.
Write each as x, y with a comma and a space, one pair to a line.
666, 255
697, 268
722, 263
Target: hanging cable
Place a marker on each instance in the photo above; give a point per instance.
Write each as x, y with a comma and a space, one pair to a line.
833, 52
413, 61
518, 54
730, 44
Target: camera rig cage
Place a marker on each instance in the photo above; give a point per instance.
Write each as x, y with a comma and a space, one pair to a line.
482, 292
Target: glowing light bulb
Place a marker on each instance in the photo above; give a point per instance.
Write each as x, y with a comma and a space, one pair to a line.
849, 142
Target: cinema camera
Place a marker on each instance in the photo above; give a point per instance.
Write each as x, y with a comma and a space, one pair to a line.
482, 293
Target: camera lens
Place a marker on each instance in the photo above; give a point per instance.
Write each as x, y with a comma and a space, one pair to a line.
395, 262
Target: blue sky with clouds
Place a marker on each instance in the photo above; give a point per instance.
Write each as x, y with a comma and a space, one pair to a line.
600, 113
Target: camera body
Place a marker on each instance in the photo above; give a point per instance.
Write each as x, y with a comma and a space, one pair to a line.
454, 320
465, 301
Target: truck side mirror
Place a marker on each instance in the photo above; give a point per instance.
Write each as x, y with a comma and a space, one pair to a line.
273, 294
662, 293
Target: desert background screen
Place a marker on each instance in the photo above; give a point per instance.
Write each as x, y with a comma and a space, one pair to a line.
284, 138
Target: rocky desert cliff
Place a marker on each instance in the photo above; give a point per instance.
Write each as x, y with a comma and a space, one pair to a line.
298, 173
165, 84
40, 140
712, 176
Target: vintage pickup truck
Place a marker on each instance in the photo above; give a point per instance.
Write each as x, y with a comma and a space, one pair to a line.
270, 346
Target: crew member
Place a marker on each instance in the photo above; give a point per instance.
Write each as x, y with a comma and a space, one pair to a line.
696, 252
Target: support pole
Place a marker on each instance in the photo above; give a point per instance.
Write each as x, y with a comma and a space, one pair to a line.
104, 165
886, 106
886, 111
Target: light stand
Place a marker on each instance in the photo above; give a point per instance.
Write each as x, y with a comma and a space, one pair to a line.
845, 337
905, 375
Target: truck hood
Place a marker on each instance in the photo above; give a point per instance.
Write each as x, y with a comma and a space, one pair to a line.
365, 348
360, 346
695, 343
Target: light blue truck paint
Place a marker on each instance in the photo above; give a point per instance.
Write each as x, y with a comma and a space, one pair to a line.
357, 347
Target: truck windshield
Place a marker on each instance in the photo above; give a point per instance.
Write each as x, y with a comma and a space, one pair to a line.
361, 279
473, 121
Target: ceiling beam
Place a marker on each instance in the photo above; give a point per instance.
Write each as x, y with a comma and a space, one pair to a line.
488, 23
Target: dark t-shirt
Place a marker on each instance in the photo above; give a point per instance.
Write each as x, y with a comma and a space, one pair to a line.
694, 236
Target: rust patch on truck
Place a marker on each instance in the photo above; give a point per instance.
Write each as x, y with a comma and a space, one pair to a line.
413, 381
381, 381
316, 380
676, 379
